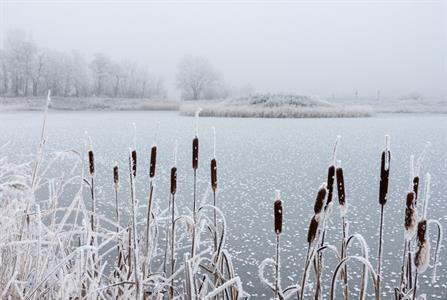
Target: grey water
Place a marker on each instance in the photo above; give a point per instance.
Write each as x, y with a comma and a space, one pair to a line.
255, 158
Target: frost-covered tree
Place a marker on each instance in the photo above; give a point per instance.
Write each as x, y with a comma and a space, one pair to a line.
101, 67
26, 69
20, 51
195, 75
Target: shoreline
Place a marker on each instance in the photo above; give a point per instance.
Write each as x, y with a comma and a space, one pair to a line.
216, 108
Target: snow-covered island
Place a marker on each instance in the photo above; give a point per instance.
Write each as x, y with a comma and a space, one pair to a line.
275, 106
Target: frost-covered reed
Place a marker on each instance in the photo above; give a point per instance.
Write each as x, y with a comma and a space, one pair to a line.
51, 251
416, 255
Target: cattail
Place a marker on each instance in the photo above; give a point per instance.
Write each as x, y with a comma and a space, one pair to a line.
330, 184
278, 214
134, 163
416, 187
340, 186
410, 216
214, 174
173, 180
116, 178
91, 163
319, 200
195, 153
153, 161
422, 256
384, 176
312, 232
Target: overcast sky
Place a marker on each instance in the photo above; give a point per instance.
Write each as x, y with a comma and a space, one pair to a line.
310, 47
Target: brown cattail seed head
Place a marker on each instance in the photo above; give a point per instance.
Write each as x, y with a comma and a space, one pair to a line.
173, 180
116, 178
134, 162
214, 174
422, 257
312, 232
330, 184
153, 162
384, 177
91, 162
319, 201
278, 216
422, 228
195, 153
410, 216
340, 186
416, 187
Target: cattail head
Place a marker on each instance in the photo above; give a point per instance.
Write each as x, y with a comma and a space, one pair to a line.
277, 208
410, 216
91, 163
195, 153
214, 174
384, 176
173, 180
319, 201
422, 256
341, 187
134, 162
422, 230
153, 161
312, 232
416, 187
116, 178
330, 184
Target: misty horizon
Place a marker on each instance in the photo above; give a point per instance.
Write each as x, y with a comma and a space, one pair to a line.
300, 47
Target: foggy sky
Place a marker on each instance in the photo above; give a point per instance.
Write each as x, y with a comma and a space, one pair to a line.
312, 47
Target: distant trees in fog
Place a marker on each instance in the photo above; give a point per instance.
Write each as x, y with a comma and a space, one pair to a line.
198, 79
28, 70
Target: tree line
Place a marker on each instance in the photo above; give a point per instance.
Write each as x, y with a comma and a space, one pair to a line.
29, 70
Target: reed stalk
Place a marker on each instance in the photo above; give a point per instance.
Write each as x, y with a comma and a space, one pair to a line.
277, 210
312, 234
152, 167
383, 196
213, 173
136, 262
195, 165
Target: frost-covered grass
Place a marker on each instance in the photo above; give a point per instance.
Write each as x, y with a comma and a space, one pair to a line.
275, 106
52, 251
86, 103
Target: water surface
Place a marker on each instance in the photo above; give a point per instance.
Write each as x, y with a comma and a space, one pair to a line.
256, 157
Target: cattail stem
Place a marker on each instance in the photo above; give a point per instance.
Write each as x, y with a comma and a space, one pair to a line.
147, 263
117, 216
193, 246
215, 222
277, 267
415, 284
132, 173
343, 255
171, 293
380, 251
306, 266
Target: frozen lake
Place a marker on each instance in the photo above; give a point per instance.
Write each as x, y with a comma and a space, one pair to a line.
256, 157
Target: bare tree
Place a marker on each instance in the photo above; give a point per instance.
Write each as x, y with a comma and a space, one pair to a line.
195, 75
20, 52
